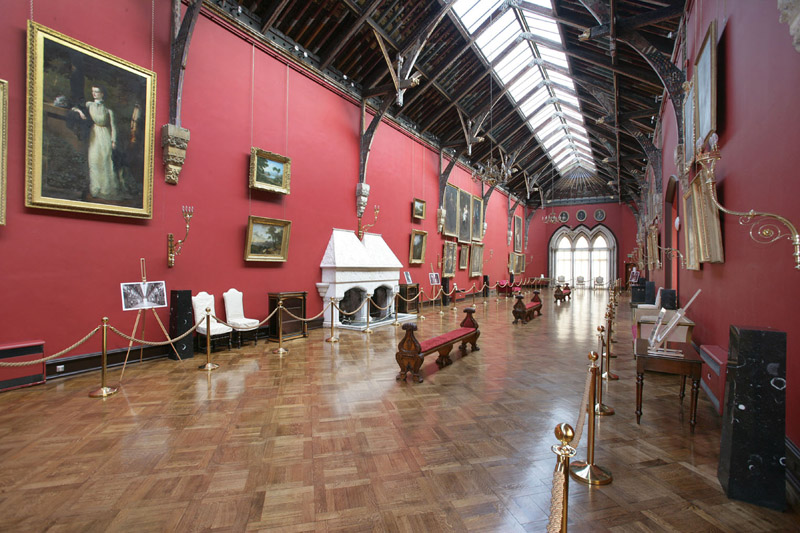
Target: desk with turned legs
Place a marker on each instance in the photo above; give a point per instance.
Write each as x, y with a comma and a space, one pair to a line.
690, 365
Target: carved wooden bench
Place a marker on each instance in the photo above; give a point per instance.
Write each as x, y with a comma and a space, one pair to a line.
526, 312
562, 294
411, 353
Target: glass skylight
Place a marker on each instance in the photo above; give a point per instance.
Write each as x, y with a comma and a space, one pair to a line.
553, 111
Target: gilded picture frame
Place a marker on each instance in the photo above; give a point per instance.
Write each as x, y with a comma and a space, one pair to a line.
267, 239
449, 259
520, 264
417, 246
692, 256
463, 257
3, 148
477, 219
90, 128
450, 228
689, 130
518, 237
270, 171
464, 217
418, 209
705, 68
512, 262
476, 260
707, 222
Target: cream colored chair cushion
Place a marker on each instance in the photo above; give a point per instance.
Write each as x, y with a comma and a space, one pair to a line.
234, 311
200, 303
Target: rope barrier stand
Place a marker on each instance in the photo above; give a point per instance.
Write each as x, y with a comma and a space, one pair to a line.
104, 391
599, 407
209, 365
333, 338
587, 471
420, 294
608, 375
560, 492
280, 349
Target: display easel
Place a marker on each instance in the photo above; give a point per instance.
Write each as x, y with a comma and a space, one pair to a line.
141, 315
658, 337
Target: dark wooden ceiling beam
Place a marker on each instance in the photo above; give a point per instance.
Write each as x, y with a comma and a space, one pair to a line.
344, 39
635, 22
273, 16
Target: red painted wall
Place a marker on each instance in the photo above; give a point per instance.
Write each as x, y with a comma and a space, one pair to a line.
758, 113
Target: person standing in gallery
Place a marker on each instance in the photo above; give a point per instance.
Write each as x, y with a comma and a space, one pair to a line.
102, 142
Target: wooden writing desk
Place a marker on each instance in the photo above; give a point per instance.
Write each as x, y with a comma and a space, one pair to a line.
690, 365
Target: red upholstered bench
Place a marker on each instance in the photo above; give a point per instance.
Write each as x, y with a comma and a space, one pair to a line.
526, 312
411, 353
562, 294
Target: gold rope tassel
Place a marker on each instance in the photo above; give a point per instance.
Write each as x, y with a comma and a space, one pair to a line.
560, 492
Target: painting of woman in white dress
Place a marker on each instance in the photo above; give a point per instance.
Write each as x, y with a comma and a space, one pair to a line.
91, 117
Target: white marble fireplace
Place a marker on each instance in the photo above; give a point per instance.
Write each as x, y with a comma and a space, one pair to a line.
353, 269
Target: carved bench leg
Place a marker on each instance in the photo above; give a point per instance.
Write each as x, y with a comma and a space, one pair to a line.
444, 356
409, 363
473, 341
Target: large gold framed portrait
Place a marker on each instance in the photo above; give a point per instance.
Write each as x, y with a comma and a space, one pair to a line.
90, 128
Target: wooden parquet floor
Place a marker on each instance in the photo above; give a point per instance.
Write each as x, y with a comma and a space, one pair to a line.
324, 439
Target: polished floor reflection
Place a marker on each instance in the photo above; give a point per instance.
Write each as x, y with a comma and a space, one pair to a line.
325, 439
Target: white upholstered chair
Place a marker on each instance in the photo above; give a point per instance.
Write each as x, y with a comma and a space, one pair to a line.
599, 282
581, 282
560, 280
219, 331
234, 314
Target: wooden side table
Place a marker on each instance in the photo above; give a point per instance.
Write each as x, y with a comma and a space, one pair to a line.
294, 302
690, 365
408, 291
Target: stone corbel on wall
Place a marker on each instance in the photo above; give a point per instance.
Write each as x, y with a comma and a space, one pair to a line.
174, 141
790, 14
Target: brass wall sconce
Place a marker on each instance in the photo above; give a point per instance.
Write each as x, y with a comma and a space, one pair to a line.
670, 253
763, 228
365, 227
174, 249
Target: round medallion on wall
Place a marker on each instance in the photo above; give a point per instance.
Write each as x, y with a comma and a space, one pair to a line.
563, 216
580, 215
599, 215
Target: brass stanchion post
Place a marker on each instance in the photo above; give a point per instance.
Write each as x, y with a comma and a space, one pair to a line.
396, 322
333, 337
586, 471
209, 365
453, 292
608, 375
441, 301
104, 391
280, 349
599, 407
419, 306
368, 302
564, 451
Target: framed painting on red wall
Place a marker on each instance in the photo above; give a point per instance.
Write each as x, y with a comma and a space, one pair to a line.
269, 171
90, 128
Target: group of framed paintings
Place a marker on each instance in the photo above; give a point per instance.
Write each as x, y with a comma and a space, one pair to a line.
463, 215
516, 263
703, 235
700, 98
470, 258
268, 238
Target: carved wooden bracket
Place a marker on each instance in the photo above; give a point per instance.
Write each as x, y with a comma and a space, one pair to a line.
174, 138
